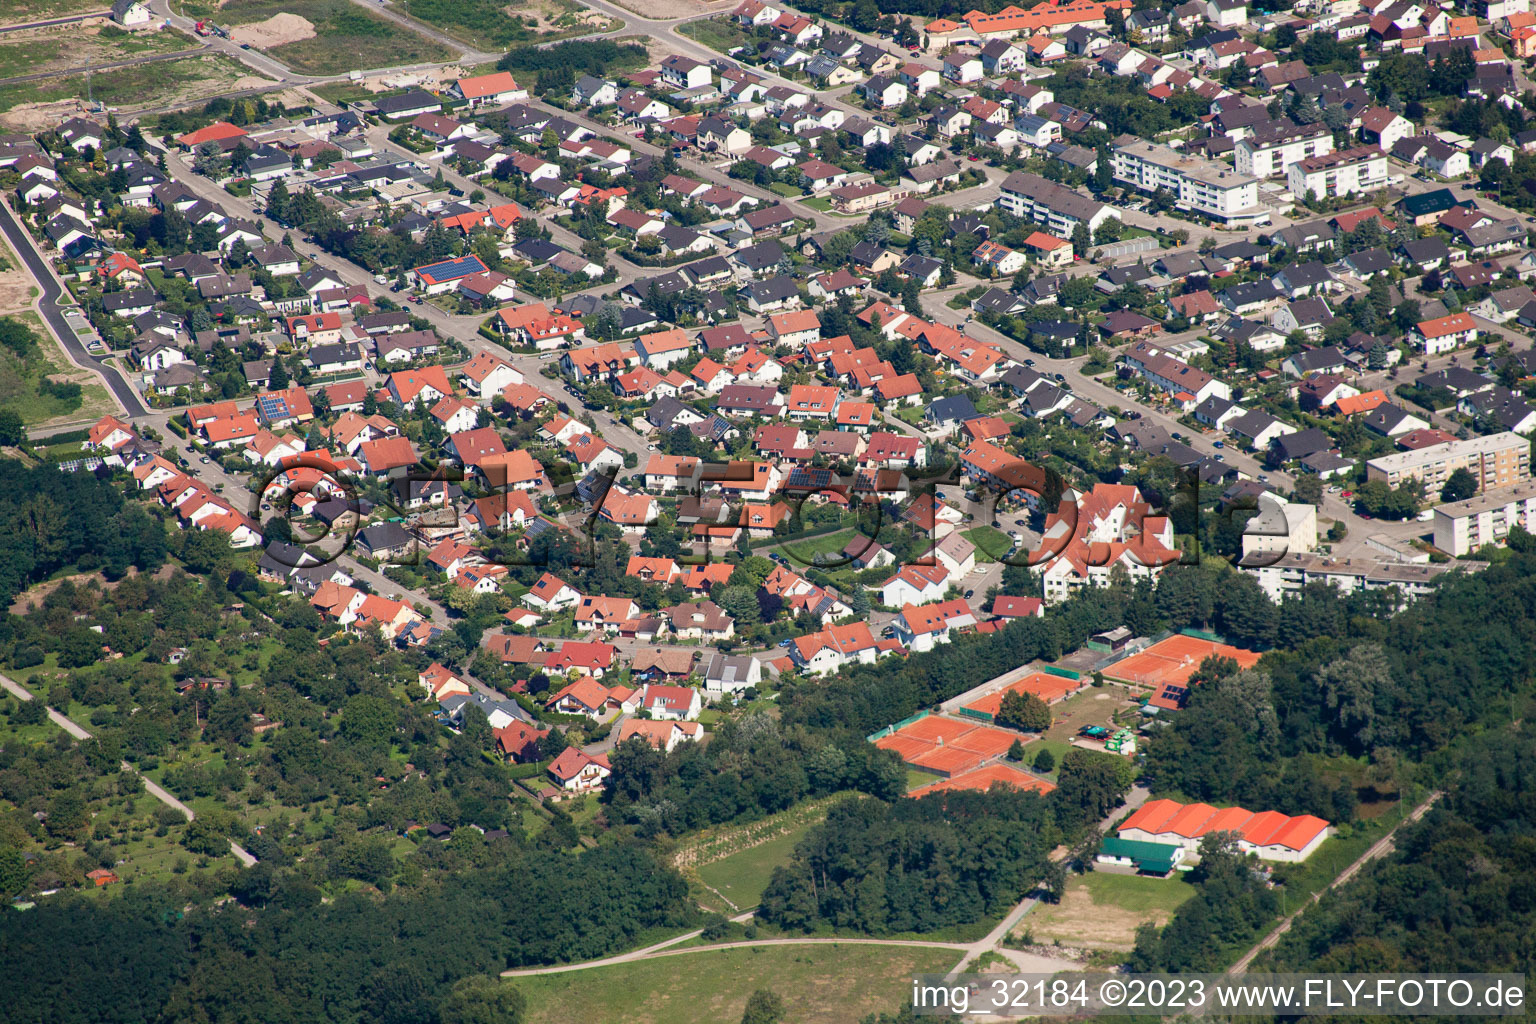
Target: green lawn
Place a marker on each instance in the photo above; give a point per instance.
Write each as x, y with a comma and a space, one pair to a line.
821, 984
821, 203
785, 189
917, 778
991, 543
805, 549
341, 92
1102, 910
742, 877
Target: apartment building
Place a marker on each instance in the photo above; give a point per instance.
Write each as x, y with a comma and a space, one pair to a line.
1174, 376
1464, 526
1345, 172
1200, 185
1269, 153
1045, 202
1288, 573
1497, 460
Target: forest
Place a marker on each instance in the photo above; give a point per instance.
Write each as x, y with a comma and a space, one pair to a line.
359, 957
50, 520
750, 768
914, 865
1459, 892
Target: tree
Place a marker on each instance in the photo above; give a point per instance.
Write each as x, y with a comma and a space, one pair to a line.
478, 999
1309, 489
279, 378
369, 720
1091, 784
1016, 751
1024, 711
1459, 486
12, 429
763, 1007
1045, 761
1360, 690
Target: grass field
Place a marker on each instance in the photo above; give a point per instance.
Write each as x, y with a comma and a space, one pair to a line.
346, 36
491, 24
19, 379
1102, 911
823, 984
717, 33
58, 49
20, 12
742, 877
161, 83
737, 861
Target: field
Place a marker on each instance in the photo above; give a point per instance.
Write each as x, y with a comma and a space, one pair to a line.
346, 37
742, 877
34, 105
139, 836
737, 861
20, 12
491, 24
717, 33
822, 984
19, 379
60, 48
1102, 910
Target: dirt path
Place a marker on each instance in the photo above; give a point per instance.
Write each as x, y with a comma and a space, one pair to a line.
656, 952
69, 726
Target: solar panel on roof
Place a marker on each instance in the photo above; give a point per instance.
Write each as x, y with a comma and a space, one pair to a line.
455, 267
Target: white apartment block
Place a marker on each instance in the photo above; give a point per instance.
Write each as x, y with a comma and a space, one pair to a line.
1059, 208
1464, 526
1286, 575
1343, 173
1497, 460
1279, 527
1202, 186
1270, 154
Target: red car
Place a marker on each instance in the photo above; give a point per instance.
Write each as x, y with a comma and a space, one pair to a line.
973, 158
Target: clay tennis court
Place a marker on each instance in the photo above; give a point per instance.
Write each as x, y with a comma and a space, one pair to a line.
985, 778
946, 746
906, 747
1174, 660
947, 761
935, 729
986, 741
1049, 688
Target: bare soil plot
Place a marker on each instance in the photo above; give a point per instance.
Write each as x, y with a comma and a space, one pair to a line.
1102, 910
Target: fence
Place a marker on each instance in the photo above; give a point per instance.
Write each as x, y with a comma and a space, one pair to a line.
896, 727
